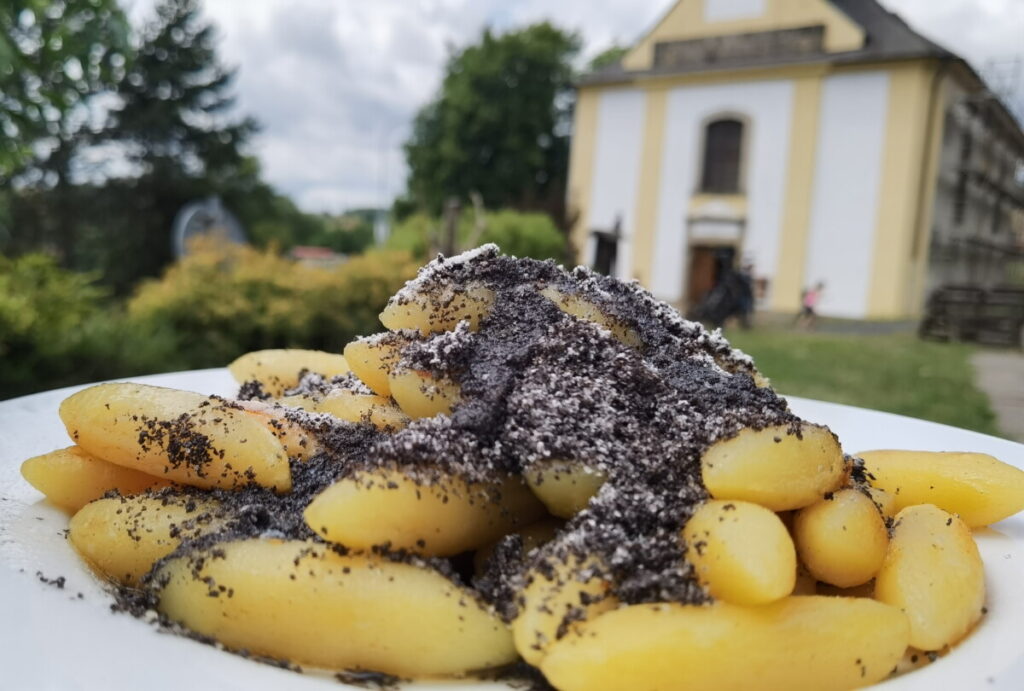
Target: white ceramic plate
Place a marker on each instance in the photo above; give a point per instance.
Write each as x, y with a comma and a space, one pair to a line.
51, 638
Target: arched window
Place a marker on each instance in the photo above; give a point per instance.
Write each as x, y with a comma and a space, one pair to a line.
723, 148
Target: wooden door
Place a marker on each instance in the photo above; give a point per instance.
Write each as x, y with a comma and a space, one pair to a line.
702, 274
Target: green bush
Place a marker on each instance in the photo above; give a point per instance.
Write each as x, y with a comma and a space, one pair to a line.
222, 301
57, 328
525, 235
516, 233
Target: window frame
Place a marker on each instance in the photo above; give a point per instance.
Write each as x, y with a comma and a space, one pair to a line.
744, 147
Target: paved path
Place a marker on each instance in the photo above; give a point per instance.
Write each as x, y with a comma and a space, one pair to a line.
1000, 374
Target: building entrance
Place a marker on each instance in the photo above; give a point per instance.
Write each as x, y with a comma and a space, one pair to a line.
708, 264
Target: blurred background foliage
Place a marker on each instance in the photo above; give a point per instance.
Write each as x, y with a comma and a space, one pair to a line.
61, 327
520, 234
108, 130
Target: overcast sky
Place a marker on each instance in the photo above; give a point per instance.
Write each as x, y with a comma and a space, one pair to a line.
336, 83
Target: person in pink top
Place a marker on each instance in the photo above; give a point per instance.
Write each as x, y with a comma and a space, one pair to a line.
809, 305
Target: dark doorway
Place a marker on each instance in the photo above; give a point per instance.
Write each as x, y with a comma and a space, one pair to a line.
707, 266
605, 253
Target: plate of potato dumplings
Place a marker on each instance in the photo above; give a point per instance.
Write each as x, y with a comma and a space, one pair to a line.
530, 476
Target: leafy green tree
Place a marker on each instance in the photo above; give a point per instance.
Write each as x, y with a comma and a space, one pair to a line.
607, 58
56, 56
175, 95
168, 118
516, 233
500, 124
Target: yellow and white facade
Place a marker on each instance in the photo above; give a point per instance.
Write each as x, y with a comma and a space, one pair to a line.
843, 110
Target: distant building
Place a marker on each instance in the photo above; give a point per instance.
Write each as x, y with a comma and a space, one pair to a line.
816, 140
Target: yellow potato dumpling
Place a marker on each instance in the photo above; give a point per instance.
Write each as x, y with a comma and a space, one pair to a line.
556, 601
302, 602
885, 501
773, 467
449, 516
934, 574
565, 487
533, 535
123, 537
297, 442
176, 435
841, 540
278, 370
584, 309
373, 357
741, 551
978, 487
357, 407
70, 478
807, 642
419, 394
352, 407
437, 312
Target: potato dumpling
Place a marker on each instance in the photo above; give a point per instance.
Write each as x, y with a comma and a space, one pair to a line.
352, 407
302, 602
297, 442
885, 501
439, 311
123, 537
584, 309
70, 478
357, 407
419, 394
773, 467
440, 518
741, 551
807, 642
278, 370
565, 487
177, 435
842, 539
933, 573
371, 359
978, 487
534, 535
556, 600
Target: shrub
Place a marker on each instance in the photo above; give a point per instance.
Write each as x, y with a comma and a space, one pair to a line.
516, 233
525, 235
223, 300
57, 328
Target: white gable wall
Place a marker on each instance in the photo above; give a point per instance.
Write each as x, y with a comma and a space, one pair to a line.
618, 147
844, 204
767, 108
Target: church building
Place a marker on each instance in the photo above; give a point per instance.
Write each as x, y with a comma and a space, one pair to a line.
813, 141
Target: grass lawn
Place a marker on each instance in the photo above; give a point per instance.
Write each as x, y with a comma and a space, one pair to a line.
897, 373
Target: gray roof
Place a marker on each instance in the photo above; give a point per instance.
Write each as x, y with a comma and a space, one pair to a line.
887, 37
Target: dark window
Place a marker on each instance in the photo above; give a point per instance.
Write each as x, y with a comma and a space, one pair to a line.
960, 198
723, 146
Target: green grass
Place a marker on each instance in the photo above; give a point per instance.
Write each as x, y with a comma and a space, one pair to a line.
897, 373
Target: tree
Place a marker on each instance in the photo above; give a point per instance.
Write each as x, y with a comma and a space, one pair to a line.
55, 57
500, 124
174, 99
166, 116
607, 58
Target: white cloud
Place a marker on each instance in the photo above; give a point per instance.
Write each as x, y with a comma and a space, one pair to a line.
336, 83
